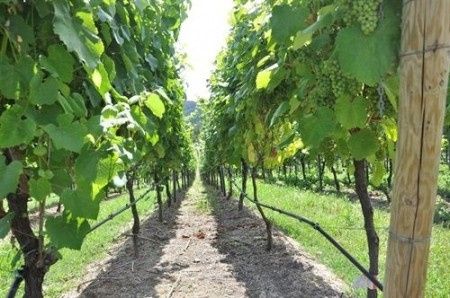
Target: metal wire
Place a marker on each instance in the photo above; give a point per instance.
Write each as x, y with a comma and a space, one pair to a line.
318, 228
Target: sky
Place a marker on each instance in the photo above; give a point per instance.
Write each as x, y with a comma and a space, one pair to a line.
203, 34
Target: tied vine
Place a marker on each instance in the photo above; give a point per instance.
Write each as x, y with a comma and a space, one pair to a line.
89, 97
303, 81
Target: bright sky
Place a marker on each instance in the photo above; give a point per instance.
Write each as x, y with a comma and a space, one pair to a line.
202, 36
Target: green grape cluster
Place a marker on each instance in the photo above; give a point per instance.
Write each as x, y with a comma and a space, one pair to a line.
340, 84
366, 13
349, 16
322, 91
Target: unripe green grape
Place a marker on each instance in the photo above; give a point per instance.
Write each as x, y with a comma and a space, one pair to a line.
366, 13
40, 150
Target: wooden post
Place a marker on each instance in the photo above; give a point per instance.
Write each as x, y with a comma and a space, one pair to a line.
424, 67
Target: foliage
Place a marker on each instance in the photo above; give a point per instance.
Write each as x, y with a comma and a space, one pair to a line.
312, 75
89, 91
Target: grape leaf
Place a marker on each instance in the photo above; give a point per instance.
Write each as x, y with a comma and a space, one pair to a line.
100, 79
39, 188
5, 224
61, 181
80, 38
15, 128
155, 104
286, 20
315, 128
263, 78
378, 173
94, 172
59, 63
68, 135
280, 111
325, 17
44, 93
368, 58
66, 232
81, 203
15, 79
9, 80
363, 144
351, 114
20, 31
9, 176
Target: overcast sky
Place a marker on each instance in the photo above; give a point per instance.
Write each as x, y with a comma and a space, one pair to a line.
202, 36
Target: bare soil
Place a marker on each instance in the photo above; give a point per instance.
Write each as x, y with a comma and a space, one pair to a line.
212, 251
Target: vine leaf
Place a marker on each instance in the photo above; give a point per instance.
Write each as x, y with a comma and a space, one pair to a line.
378, 173
9, 176
282, 109
155, 104
315, 128
66, 232
39, 188
20, 30
15, 79
67, 135
59, 63
44, 92
81, 203
9, 80
79, 37
15, 129
286, 20
325, 17
100, 79
363, 144
263, 78
5, 224
368, 58
351, 114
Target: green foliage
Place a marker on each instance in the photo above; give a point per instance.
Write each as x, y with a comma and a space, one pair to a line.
286, 20
155, 104
315, 128
89, 90
368, 58
316, 76
351, 114
67, 135
67, 232
5, 223
363, 144
79, 37
9, 176
40, 188
59, 63
15, 128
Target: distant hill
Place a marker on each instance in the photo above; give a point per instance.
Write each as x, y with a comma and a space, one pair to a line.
189, 107
193, 117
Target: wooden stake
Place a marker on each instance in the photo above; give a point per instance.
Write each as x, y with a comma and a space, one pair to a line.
424, 66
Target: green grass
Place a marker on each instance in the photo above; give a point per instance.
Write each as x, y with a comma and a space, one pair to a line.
63, 276
204, 201
344, 221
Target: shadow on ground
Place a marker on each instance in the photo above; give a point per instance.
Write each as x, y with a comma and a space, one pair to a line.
124, 276
285, 271
228, 239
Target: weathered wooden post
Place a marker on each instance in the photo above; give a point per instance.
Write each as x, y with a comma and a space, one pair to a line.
424, 66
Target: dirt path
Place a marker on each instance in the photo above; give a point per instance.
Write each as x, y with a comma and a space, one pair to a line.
206, 248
